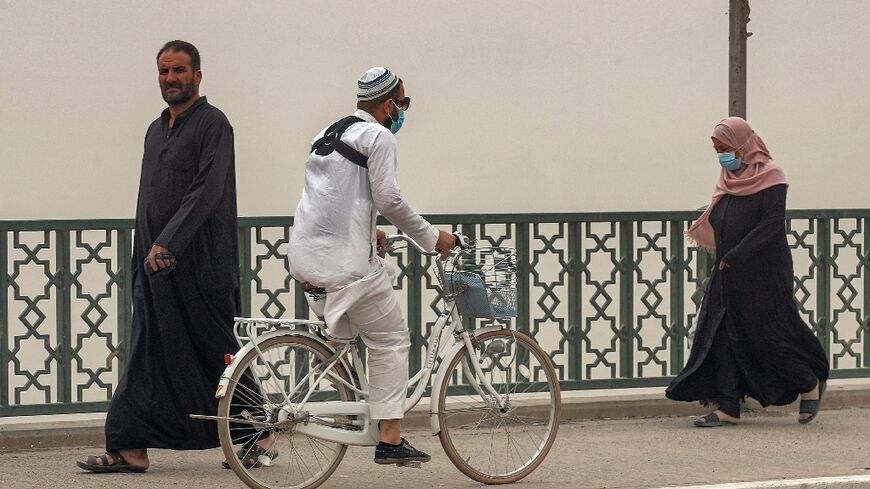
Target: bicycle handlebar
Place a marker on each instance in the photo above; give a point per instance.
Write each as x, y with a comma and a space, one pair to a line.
461, 242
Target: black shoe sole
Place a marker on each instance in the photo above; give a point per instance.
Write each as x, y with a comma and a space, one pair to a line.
395, 461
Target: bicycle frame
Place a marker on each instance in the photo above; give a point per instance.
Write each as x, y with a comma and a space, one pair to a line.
369, 434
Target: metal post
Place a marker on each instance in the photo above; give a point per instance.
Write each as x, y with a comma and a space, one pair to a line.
823, 284
865, 321
524, 272
738, 18
64, 320
245, 272
415, 310
125, 297
678, 315
300, 304
626, 299
4, 318
469, 230
575, 301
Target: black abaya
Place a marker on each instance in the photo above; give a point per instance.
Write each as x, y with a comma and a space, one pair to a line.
749, 312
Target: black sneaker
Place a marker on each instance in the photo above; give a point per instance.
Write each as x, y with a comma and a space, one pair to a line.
402, 453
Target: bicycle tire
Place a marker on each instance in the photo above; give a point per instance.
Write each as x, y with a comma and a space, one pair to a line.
461, 456
225, 408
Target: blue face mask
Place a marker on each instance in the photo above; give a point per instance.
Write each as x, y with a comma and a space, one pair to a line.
729, 161
397, 123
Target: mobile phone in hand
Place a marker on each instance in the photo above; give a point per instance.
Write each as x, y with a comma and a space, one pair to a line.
161, 256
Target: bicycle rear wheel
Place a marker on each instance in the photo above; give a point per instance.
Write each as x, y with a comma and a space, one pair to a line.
254, 406
489, 442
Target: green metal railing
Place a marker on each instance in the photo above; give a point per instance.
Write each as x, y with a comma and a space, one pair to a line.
609, 296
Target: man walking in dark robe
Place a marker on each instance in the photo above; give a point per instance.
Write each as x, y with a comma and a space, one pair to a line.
185, 276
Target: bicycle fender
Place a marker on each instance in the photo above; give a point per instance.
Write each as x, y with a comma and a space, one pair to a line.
238, 356
440, 377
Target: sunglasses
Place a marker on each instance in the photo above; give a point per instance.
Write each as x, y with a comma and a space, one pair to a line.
403, 104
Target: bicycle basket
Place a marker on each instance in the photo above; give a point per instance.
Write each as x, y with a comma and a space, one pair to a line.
484, 283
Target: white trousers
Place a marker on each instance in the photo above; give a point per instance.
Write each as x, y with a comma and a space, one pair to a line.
369, 308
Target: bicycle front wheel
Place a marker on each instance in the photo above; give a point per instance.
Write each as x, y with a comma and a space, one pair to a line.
256, 407
499, 436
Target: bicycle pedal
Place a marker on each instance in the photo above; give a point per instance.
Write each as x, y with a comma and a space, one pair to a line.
411, 464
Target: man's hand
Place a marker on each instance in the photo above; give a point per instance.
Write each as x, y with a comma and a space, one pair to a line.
722, 265
382, 243
152, 258
446, 243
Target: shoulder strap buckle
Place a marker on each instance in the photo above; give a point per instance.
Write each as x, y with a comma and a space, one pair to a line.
331, 141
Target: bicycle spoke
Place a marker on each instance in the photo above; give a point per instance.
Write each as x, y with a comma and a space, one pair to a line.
258, 391
519, 432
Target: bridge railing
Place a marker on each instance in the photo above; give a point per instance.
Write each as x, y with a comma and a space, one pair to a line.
610, 296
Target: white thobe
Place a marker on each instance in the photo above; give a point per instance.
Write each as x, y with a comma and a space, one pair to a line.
334, 246
334, 234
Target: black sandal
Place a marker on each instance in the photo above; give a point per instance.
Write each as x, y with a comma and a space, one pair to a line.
120, 465
811, 407
250, 455
710, 421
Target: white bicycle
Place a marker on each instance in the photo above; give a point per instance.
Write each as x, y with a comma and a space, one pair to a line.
494, 400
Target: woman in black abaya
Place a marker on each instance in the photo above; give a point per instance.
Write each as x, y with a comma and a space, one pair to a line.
750, 338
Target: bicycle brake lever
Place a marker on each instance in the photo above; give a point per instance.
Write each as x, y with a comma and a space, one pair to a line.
461, 241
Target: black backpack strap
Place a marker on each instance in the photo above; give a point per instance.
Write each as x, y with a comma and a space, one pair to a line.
331, 141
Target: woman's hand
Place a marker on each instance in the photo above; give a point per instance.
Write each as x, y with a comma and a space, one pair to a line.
722, 265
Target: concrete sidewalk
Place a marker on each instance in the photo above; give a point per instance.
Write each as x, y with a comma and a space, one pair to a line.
660, 452
623, 454
66, 430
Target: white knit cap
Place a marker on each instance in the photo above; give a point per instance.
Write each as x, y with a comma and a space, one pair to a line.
375, 82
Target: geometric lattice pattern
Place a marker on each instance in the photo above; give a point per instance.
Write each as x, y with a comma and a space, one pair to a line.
609, 296
65, 311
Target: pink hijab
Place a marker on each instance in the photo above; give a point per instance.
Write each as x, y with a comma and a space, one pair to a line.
757, 172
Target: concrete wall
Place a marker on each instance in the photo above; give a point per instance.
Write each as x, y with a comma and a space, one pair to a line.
562, 105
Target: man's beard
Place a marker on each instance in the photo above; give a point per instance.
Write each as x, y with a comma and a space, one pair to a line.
186, 93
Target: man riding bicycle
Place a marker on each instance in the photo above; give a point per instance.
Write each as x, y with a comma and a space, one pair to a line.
337, 250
